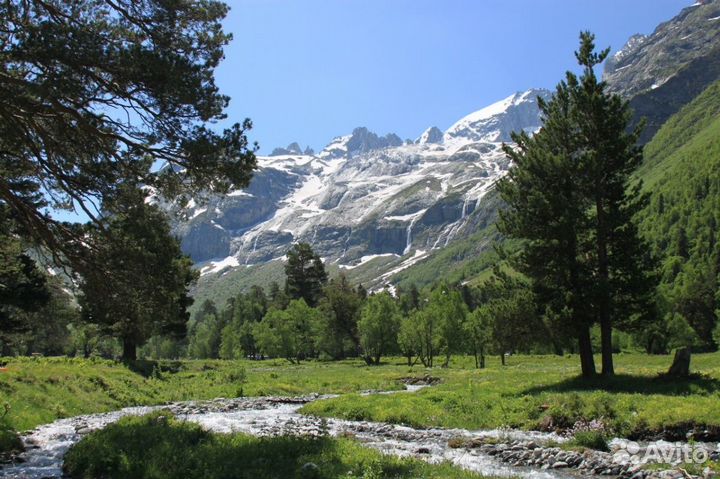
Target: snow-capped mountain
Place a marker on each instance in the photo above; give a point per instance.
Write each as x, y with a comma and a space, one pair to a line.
363, 196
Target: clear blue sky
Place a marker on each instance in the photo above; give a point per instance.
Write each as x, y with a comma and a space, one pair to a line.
309, 70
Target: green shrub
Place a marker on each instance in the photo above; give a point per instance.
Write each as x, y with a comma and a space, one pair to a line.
591, 440
9, 441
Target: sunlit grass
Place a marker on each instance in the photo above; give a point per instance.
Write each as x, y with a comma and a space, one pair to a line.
522, 394
545, 392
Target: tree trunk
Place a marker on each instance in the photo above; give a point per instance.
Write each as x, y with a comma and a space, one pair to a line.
587, 362
482, 361
649, 345
681, 364
606, 346
447, 361
502, 359
129, 349
604, 300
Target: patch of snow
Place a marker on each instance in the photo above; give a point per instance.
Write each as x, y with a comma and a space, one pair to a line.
367, 259
714, 19
408, 217
217, 266
198, 212
240, 193
487, 112
419, 255
338, 145
151, 195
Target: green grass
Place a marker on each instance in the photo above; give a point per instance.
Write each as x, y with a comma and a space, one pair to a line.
528, 393
590, 440
40, 390
536, 392
158, 446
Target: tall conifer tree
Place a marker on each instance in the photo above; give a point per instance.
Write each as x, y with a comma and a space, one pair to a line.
570, 198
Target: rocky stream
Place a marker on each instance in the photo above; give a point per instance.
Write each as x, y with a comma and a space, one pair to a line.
503, 453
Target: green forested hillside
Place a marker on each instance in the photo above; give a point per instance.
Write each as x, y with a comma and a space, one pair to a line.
681, 173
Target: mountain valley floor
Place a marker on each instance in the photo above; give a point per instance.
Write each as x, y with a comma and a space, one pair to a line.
530, 392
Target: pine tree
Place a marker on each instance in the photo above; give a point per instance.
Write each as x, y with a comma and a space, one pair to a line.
94, 93
305, 273
609, 154
547, 210
23, 287
340, 306
137, 283
571, 199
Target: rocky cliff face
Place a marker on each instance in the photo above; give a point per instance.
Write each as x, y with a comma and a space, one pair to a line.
661, 72
364, 196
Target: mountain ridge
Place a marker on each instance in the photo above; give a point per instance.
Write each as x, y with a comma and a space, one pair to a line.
363, 198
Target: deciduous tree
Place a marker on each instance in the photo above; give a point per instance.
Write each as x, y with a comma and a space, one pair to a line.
378, 327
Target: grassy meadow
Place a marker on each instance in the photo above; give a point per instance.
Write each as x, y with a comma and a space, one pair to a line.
544, 392
530, 392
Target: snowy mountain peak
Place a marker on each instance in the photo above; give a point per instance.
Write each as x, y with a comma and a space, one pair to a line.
360, 141
431, 135
292, 149
364, 197
495, 122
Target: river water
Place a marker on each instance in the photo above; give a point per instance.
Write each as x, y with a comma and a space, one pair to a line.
273, 416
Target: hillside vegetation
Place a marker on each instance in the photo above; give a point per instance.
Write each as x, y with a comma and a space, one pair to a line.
681, 175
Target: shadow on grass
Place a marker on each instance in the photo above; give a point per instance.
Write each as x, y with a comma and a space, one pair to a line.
627, 383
